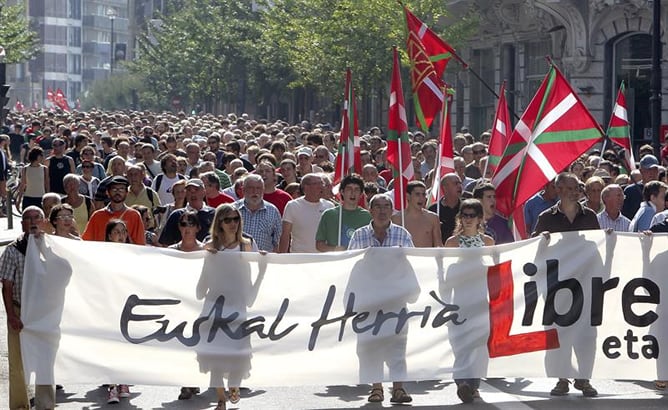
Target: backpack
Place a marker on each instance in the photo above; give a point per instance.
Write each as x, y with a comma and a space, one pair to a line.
158, 181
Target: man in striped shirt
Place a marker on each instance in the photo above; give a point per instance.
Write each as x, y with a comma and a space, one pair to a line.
611, 217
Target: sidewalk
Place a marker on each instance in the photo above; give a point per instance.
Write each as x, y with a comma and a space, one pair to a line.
8, 235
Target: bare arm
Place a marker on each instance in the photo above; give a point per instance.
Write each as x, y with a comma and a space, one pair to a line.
12, 319
47, 181
284, 243
323, 247
452, 242
436, 232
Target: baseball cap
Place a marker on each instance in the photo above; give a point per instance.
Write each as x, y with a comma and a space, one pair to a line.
648, 162
196, 182
305, 151
118, 180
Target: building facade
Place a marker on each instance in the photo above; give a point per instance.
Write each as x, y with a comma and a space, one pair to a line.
81, 41
597, 44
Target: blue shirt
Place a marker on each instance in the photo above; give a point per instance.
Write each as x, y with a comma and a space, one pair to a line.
263, 224
643, 218
396, 236
534, 207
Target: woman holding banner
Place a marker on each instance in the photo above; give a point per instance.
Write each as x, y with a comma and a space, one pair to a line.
231, 358
468, 234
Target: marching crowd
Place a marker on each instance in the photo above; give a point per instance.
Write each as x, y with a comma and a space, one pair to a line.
232, 183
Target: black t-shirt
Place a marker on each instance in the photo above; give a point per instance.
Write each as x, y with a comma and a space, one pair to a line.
447, 217
15, 143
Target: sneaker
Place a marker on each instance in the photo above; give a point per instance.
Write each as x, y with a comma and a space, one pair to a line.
465, 393
586, 388
561, 388
123, 391
112, 397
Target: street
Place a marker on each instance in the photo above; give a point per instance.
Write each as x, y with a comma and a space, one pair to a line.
506, 393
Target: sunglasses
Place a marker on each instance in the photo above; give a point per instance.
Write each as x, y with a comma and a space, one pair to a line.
87, 166
467, 215
236, 219
186, 224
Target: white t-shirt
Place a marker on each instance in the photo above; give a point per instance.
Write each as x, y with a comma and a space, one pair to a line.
165, 191
304, 217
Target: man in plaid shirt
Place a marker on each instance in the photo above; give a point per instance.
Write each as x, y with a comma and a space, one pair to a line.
12, 263
381, 232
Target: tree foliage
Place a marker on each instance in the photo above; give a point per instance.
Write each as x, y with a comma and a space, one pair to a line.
200, 53
321, 38
223, 49
20, 43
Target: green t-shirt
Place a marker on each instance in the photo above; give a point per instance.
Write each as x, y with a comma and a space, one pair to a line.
328, 229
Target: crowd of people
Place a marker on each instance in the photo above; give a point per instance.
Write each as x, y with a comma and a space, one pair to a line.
227, 183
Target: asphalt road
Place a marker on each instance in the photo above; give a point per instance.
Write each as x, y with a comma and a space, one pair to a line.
506, 393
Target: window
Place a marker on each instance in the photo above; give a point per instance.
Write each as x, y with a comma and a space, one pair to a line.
535, 67
483, 102
75, 36
75, 9
55, 8
55, 62
54, 35
74, 63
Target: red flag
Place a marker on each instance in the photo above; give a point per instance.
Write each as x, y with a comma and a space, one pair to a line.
446, 160
500, 132
49, 95
61, 100
35, 105
429, 56
78, 104
398, 146
348, 159
619, 130
555, 129
18, 107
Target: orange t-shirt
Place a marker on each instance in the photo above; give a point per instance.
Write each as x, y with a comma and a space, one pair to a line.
95, 229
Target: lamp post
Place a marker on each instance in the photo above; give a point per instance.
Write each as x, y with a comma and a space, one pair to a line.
111, 13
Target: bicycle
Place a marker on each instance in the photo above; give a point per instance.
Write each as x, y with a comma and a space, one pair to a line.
13, 188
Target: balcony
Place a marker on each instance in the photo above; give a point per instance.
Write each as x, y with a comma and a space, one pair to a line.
95, 48
93, 74
104, 23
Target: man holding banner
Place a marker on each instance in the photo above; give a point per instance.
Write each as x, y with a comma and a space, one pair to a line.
11, 272
566, 216
390, 349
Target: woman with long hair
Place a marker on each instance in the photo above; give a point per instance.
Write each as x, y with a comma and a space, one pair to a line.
226, 235
468, 233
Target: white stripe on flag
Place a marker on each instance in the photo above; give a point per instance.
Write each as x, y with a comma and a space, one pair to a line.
501, 127
423, 29
434, 88
393, 98
620, 112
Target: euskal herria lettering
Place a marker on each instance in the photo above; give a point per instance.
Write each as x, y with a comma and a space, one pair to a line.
501, 312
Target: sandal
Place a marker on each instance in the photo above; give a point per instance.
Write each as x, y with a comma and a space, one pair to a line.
235, 395
221, 405
185, 394
661, 384
399, 395
376, 395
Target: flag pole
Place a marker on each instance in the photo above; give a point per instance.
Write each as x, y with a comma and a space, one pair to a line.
346, 107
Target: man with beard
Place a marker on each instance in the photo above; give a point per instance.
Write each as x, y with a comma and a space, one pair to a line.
448, 206
117, 191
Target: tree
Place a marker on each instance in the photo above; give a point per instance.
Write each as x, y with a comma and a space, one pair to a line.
19, 41
321, 38
201, 53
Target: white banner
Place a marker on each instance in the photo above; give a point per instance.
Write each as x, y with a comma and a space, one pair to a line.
583, 304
